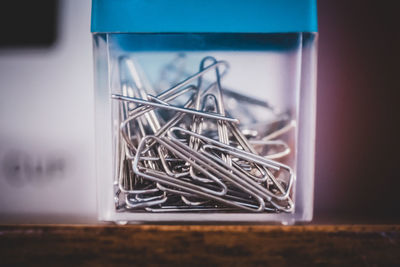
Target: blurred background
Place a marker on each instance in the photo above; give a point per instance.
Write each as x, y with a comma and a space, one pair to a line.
47, 115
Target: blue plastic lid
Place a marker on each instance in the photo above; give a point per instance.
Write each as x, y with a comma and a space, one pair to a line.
200, 16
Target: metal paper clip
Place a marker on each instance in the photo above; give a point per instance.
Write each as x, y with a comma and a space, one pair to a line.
194, 157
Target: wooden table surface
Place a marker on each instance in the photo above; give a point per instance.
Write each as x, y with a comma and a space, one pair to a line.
66, 245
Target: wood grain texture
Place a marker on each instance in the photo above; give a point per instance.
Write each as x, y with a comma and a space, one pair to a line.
66, 245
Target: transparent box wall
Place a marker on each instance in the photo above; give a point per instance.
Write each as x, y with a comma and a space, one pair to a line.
254, 95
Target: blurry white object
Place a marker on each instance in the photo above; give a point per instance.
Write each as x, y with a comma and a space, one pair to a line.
46, 126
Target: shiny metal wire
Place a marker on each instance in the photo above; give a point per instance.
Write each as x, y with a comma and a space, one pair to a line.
194, 157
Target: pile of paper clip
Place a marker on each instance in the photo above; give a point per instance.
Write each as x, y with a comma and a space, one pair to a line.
182, 151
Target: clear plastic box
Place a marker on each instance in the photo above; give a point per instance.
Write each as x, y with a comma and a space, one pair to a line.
205, 120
